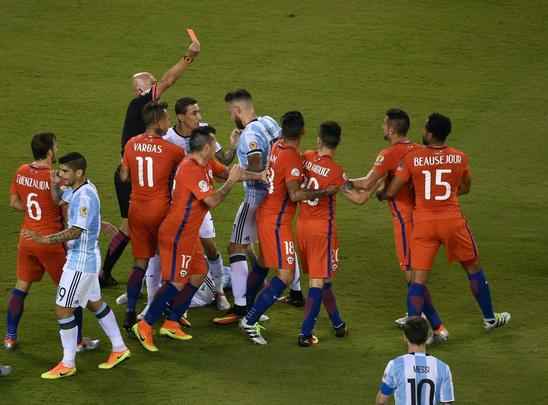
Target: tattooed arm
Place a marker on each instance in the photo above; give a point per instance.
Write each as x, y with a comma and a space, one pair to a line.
59, 237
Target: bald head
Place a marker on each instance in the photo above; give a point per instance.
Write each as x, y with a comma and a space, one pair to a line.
142, 82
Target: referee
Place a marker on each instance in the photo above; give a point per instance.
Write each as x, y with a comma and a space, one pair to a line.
146, 88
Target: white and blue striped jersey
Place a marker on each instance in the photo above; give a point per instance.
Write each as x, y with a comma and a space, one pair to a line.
84, 212
418, 378
172, 136
257, 137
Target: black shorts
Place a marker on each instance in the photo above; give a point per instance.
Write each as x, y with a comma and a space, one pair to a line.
123, 192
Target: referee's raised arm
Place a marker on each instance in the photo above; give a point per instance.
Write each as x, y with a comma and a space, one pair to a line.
146, 89
172, 75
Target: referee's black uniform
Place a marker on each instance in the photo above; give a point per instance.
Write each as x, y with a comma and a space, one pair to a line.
133, 126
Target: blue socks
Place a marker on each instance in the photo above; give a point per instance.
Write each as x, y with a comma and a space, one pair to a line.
429, 311
415, 299
255, 281
79, 317
265, 300
164, 295
181, 302
330, 304
311, 310
134, 285
16, 305
480, 289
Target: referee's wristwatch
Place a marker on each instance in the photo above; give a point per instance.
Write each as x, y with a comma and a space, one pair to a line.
188, 59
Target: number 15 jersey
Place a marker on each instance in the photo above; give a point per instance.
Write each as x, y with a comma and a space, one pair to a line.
436, 173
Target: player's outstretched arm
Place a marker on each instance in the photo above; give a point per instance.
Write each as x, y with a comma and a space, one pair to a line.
356, 196
220, 194
392, 190
16, 203
226, 156
174, 73
369, 182
108, 229
59, 237
296, 193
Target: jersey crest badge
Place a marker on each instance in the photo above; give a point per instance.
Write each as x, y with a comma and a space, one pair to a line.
203, 186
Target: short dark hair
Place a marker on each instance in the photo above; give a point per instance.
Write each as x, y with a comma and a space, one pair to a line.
199, 137
439, 126
292, 124
153, 112
182, 104
41, 144
237, 95
398, 120
330, 134
74, 160
416, 330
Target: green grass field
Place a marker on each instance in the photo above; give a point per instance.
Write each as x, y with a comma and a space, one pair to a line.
66, 67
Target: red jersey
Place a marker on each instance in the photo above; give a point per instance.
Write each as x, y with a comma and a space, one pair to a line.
320, 172
32, 184
193, 182
151, 161
284, 165
436, 173
386, 163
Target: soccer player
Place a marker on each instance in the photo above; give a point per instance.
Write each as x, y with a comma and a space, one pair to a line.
317, 233
189, 117
253, 148
181, 252
395, 127
149, 162
146, 89
79, 284
416, 377
30, 192
439, 174
274, 218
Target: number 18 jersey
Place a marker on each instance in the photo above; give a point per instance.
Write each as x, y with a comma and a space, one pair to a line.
436, 173
418, 378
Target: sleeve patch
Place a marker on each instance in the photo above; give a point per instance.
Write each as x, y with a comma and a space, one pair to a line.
84, 212
295, 172
203, 186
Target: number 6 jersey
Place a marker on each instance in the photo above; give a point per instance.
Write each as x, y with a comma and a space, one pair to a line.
32, 184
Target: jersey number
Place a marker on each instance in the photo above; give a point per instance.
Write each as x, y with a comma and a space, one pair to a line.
313, 184
141, 171
33, 208
439, 182
416, 391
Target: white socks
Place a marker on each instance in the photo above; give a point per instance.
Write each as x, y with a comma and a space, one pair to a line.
153, 278
216, 271
107, 320
296, 283
239, 273
69, 340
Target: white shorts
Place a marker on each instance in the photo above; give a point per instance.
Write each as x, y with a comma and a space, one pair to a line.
207, 229
76, 288
244, 230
